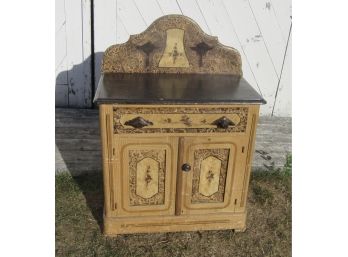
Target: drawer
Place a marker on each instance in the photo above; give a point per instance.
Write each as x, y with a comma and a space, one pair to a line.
165, 119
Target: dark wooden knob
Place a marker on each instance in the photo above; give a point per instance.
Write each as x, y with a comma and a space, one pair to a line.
186, 167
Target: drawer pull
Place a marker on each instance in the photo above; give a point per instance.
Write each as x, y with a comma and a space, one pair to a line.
138, 122
223, 122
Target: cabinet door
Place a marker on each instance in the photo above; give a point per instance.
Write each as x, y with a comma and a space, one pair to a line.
209, 169
145, 176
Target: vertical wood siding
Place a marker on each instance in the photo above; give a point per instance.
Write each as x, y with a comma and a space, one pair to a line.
258, 29
73, 53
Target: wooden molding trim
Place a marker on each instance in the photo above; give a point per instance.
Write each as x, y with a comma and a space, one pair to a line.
174, 223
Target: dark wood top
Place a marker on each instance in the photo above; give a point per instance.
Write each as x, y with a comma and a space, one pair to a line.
152, 88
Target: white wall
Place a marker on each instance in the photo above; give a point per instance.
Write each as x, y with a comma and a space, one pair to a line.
259, 29
73, 52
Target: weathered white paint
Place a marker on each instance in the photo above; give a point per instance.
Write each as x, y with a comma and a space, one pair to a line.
216, 15
153, 10
282, 105
258, 29
105, 30
73, 50
255, 51
169, 7
61, 56
191, 9
282, 12
270, 31
60, 47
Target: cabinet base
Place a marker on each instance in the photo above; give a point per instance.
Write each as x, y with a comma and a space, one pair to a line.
117, 225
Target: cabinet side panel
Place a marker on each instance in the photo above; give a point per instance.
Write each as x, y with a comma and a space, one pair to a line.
251, 147
105, 119
102, 125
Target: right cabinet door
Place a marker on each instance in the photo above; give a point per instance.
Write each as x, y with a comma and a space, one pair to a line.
210, 175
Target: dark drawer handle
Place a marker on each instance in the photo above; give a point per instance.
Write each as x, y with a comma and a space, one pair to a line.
223, 122
138, 122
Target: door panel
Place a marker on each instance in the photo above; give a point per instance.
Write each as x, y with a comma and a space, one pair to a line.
209, 174
147, 170
210, 184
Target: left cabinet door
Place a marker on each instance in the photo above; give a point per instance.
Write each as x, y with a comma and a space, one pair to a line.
145, 175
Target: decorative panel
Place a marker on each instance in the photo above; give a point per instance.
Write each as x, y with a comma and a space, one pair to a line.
179, 119
147, 177
172, 44
209, 175
174, 53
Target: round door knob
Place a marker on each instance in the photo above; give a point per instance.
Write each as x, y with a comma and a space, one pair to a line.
186, 167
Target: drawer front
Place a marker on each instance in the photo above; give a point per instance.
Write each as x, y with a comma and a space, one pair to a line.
143, 119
